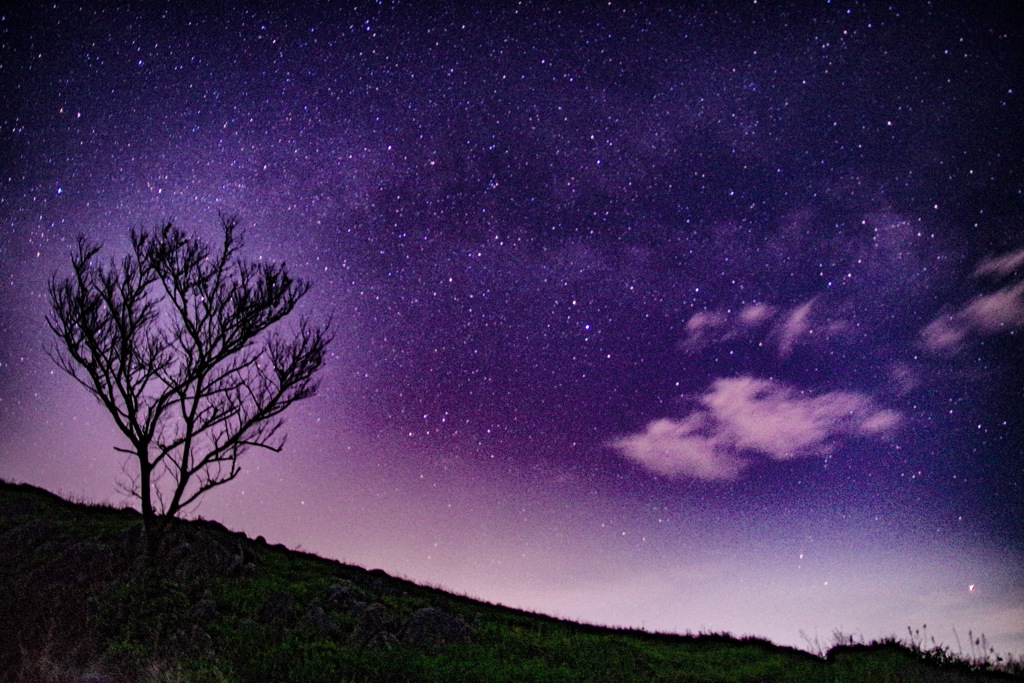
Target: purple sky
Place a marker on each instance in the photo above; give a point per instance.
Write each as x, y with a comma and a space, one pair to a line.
684, 319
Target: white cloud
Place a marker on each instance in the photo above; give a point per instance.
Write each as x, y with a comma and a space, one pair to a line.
745, 418
905, 378
1001, 265
996, 312
756, 314
944, 334
880, 423
985, 314
675, 448
704, 328
784, 329
796, 325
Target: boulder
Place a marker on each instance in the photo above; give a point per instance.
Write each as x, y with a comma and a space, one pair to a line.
375, 628
431, 629
318, 621
278, 610
344, 598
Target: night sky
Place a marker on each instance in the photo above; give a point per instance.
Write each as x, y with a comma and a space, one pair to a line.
694, 318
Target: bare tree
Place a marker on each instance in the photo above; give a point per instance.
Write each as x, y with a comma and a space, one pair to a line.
173, 341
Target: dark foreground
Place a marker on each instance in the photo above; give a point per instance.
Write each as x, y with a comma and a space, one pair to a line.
86, 596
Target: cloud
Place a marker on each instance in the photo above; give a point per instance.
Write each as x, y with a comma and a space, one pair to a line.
905, 377
785, 329
945, 334
705, 328
755, 314
984, 315
1001, 265
686, 447
745, 419
996, 312
796, 325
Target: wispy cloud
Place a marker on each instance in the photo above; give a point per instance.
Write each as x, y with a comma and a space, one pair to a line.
711, 327
795, 325
1004, 264
945, 334
905, 377
781, 329
755, 314
984, 315
705, 328
745, 419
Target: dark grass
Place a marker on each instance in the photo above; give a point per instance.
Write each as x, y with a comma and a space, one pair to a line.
82, 591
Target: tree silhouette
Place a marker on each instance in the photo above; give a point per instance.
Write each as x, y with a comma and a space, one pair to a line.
174, 341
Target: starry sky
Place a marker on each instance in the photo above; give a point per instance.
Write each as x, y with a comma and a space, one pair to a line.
682, 316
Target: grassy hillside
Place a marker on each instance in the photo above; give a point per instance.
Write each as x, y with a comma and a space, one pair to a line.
85, 597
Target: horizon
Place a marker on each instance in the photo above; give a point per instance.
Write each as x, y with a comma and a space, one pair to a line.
814, 644
648, 316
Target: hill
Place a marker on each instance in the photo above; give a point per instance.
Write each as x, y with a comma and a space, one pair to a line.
86, 595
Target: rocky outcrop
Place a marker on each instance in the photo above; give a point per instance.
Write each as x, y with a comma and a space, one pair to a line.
343, 597
375, 629
278, 610
318, 621
378, 626
431, 629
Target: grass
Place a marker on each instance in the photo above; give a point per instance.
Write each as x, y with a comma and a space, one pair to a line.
979, 657
81, 591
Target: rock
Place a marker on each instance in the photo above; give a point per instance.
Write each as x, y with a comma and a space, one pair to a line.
374, 629
198, 554
382, 640
93, 678
343, 598
278, 610
317, 621
431, 629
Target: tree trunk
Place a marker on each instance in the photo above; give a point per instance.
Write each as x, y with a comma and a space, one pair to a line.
150, 521
145, 490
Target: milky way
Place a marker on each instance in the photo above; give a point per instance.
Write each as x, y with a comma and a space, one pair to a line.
676, 318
